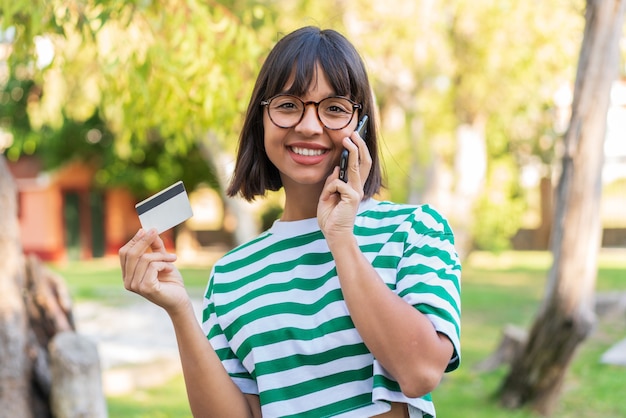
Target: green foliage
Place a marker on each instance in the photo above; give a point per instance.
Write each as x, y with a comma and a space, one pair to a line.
271, 213
150, 167
500, 208
163, 75
153, 167
190, 73
14, 118
154, 77
438, 65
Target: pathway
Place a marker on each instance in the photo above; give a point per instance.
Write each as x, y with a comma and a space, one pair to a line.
136, 343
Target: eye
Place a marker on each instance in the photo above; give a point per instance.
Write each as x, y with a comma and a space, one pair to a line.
336, 106
286, 104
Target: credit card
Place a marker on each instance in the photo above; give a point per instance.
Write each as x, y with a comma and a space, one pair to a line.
166, 209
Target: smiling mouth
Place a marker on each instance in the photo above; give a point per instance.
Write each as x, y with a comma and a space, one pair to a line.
308, 152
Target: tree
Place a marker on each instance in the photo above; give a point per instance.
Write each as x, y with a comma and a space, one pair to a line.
35, 306
15, 392
501, 93
178, 73
165, 72
461, 96
162, 77
566, 316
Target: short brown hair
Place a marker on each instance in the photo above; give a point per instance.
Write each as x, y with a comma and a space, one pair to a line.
298, 53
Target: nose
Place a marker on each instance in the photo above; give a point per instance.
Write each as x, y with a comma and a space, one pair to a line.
310, 123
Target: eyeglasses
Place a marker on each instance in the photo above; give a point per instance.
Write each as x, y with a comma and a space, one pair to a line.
286, 111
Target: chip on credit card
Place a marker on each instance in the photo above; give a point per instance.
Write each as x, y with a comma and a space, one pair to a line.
165, 209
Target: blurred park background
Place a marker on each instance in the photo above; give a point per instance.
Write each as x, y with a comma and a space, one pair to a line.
105, 102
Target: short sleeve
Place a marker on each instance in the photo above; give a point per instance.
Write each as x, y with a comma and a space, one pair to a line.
214, 333
429, 274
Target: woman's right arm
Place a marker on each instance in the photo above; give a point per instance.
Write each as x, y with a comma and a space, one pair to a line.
148, 270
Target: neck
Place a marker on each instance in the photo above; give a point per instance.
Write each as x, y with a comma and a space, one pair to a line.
301, 203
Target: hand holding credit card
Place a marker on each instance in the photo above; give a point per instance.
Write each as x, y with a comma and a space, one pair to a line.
166, 209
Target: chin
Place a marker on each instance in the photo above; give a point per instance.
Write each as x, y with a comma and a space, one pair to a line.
307, 181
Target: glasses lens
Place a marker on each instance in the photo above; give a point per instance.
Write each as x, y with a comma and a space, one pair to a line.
286, 111
335, 112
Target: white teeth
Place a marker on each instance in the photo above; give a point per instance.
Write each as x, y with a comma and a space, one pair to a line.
307, 151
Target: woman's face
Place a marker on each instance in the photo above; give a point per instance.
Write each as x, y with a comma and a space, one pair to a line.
307, 153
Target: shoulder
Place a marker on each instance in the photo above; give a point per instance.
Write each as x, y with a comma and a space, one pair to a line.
423, 219
283, 240
244, 251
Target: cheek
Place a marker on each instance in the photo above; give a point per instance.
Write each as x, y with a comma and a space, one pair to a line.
338, 136
269, 131
273, 140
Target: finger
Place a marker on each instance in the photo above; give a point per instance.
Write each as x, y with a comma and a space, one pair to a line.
150, 257
365, 158
146, 274
357, 139
145, 271
364, 153
146, 280
352, 148
150, 282
330, 187
354, 175
133, 252
123, 251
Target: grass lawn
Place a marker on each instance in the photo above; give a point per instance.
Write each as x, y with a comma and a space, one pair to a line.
101, 279
497, 290
506, 289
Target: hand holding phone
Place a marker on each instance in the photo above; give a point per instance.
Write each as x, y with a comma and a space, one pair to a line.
361, 129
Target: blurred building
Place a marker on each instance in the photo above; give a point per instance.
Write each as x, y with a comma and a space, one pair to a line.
63, 217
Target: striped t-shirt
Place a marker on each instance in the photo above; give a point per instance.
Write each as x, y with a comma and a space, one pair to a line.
275, 315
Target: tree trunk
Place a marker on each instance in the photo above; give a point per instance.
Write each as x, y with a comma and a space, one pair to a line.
15, 365
567, 314
35, 306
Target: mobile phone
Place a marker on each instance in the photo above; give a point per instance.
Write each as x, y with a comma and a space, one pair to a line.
361, 129
343, 166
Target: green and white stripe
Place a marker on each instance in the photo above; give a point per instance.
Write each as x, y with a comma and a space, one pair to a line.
275, 314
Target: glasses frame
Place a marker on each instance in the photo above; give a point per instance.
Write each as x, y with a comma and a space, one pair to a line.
266, 103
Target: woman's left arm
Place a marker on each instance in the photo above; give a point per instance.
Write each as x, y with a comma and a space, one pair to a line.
400, 337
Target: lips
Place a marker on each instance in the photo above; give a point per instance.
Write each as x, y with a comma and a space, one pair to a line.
307, 155
308, 152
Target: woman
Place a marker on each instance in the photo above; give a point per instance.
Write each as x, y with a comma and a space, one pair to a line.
346, 306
